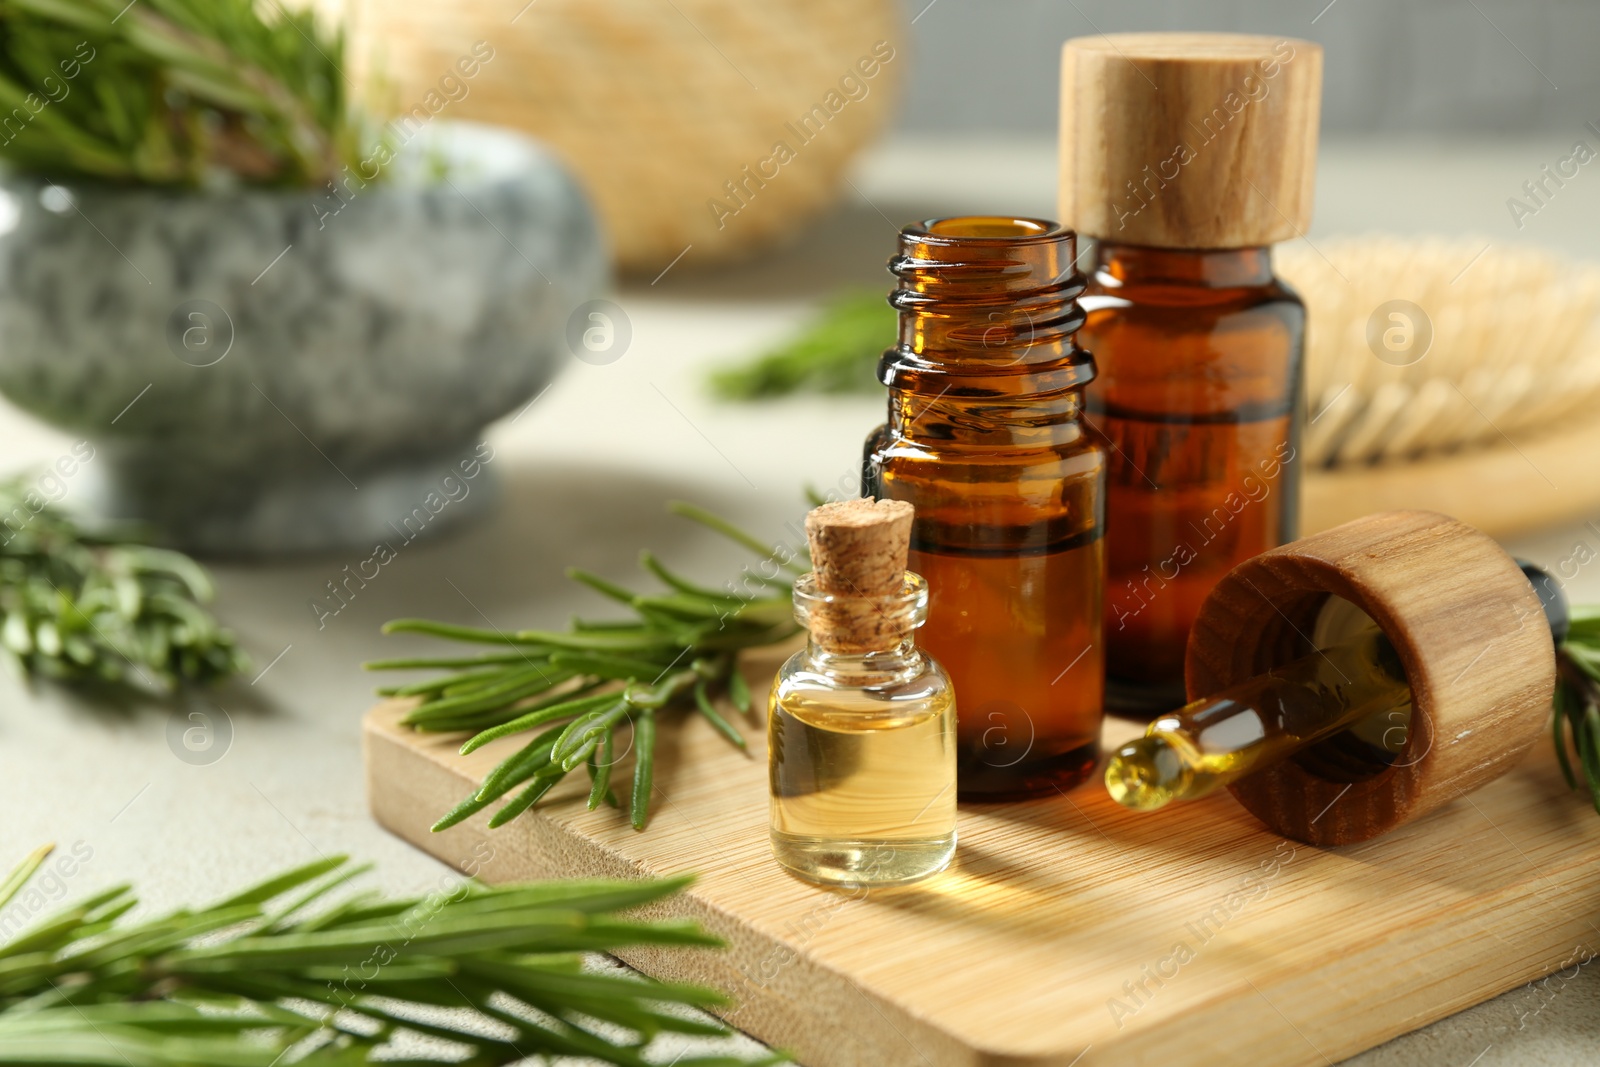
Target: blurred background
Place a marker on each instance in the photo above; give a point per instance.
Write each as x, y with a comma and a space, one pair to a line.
1419, 67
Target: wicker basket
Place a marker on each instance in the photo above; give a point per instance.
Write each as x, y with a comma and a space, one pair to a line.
658, 104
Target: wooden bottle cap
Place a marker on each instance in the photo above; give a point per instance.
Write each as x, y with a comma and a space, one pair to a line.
1469, 629
858, 555
1189, 140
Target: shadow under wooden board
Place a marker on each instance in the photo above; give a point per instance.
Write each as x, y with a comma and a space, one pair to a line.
1068, 930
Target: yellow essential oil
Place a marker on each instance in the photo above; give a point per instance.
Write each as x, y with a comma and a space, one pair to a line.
863, 776
1356, 689
861, 734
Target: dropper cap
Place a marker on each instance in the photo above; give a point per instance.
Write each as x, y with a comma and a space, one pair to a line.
1464, 621
1189, 140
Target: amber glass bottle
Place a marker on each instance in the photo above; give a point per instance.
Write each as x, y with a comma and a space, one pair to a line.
985, 437
1186, 156
1199, 357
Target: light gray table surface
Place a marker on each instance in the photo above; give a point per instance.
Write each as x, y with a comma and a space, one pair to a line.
585, 471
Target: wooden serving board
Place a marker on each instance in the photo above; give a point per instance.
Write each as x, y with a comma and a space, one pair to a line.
1503, 490
1068, 930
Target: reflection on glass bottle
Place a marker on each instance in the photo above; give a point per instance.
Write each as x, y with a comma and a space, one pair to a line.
1352, 697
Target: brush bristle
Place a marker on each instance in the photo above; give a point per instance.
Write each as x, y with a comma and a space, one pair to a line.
1515, 350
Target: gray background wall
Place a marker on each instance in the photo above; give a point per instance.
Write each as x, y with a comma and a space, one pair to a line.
1442, 66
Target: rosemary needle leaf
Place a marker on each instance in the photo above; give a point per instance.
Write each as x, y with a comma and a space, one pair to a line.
444, 683
615, 667
252, 981
592, 895
1586, 660
642, 639
683, 585
608, 626
1584, 627
738, 691
19, 877
180, 93
600, 771
100, 611
1589, 751
520, 767
492, 696
583, 734
418, 663
835, 353
537, 718
600, 585
1558, 719
695, 513
335, 878
1560, 723
455, 633
461, 812
1577, 702
282, 883
514, 685
477, 685
681, 606
540, 785
725, 728
644, 745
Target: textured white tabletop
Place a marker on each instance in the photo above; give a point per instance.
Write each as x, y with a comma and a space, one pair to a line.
585, 472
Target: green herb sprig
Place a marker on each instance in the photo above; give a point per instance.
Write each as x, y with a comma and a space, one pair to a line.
174, 92
578, 688
280, 973
87, 609
1576, 722
834, 353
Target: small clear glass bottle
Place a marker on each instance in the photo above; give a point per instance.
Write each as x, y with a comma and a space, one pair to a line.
862, 745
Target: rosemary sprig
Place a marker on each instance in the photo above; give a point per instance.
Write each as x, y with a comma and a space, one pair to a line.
834, 353
680, 651
1576, 722
87, 609
278, 973
172, 92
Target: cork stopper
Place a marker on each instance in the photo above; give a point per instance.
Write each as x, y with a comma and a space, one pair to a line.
858, 561
859, 547
1189, 140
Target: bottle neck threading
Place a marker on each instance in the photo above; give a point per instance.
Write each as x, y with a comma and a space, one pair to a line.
988, 312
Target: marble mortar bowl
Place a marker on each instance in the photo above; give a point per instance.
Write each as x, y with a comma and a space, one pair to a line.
274, 371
